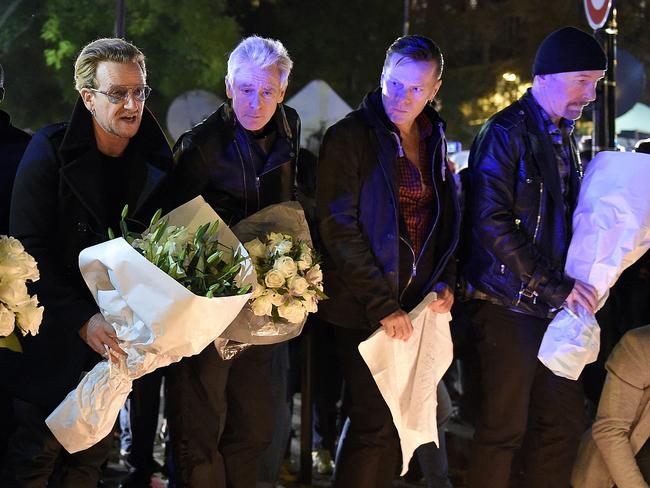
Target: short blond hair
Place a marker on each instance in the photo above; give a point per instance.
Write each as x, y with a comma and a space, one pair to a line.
107, 49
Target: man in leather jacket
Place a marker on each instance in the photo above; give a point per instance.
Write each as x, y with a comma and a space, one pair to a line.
389, 220
241, 159
524, 179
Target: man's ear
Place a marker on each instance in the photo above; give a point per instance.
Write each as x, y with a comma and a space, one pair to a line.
228, 88
436, 88
87, 97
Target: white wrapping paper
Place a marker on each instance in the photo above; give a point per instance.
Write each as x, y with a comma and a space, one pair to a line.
407, 375
611, 230
157, 321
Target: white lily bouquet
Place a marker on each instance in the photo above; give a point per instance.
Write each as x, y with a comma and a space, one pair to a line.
611, 230
289, 279
17, 307
169, 294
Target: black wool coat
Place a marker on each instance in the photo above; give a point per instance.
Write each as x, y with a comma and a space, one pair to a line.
59, 207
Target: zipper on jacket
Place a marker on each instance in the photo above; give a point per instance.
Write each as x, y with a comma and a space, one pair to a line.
243, 172
538, 222
539, 211
416, 260
400, 150
413, 268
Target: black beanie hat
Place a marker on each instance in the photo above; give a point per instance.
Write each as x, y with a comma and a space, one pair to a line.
569, 49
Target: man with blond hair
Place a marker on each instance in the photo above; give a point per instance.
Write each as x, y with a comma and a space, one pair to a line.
241, 159
71, 185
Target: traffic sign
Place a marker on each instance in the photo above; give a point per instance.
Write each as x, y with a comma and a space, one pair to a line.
597, 12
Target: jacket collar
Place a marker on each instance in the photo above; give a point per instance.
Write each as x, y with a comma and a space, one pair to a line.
5, 121
372, 111
80, 164
541, 146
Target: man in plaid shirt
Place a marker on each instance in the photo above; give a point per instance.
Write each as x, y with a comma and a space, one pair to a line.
389, 222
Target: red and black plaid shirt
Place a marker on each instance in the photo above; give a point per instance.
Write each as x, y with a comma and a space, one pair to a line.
416, 189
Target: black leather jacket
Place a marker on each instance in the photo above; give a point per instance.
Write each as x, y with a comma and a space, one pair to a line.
519, 228
215, 159
369, 266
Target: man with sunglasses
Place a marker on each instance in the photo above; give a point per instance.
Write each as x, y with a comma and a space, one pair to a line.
71, 185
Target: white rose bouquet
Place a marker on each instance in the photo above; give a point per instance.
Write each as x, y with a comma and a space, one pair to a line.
289, 283
17, 307
289, 279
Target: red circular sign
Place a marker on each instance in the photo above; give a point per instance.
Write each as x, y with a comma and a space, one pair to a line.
597, 12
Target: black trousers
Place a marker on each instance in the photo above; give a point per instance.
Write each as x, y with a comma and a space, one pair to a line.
519, 395
144, 405
369, 453
221, 416
35, 459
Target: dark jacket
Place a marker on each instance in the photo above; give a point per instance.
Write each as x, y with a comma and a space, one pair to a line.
12, 145
215, 159
369, 265
519, 226
59, 208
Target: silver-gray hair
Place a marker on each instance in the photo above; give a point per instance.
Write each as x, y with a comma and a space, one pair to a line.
263, 53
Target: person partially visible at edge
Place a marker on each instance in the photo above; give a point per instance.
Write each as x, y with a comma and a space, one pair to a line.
242, 158
524, 179
389, 220
13, 142
71, 185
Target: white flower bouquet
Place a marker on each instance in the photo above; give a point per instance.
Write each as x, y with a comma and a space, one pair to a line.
289, 283
17, 307
289, 279
168, 294
611, 230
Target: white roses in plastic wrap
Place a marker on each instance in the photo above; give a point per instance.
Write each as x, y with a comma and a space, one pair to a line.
16, 306
290, 283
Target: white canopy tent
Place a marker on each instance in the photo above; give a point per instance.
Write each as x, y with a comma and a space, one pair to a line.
637, 119
319, 107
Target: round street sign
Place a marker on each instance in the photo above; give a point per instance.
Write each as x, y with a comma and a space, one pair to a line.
597, 12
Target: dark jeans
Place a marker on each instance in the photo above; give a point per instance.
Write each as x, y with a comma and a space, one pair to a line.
519, 393
328, 381
209, 448
34, 453
369, 451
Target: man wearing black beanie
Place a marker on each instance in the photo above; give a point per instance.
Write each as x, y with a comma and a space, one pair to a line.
524, 179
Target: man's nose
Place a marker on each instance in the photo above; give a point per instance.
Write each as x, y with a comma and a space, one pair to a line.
255, 100
130, 101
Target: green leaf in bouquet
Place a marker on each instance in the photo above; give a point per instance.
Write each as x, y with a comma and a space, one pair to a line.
11, 342
214, 256
111, 234
319, 294
155, 218
244, 289
123, 228
125, 211
200, 232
